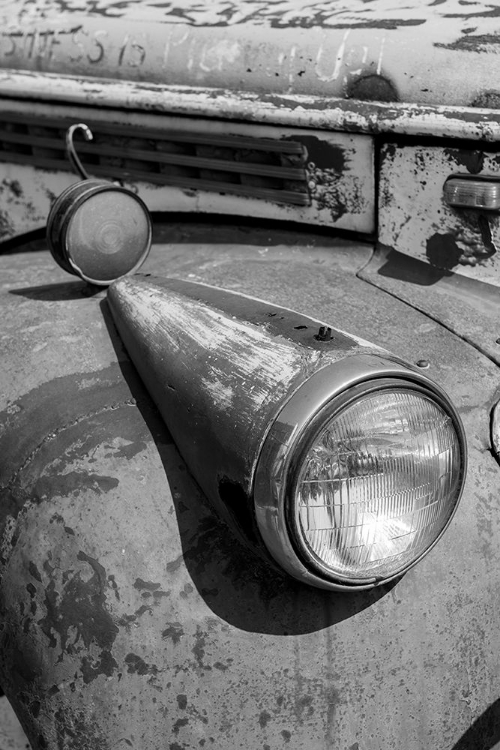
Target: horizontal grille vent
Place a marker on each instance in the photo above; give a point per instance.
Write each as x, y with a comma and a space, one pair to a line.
263, 168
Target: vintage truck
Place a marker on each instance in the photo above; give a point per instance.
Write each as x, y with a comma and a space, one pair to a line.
172, 576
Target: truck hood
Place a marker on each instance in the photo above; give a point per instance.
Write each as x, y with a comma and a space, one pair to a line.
146, 601
432, 52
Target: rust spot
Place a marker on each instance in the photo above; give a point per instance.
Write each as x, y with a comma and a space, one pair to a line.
174, 631
222, 667
182, 701
179, 724
127, 619
76, 729
15, 187
199, 648
173, 566
188, 589
76, 617
106, 665
264, 719
72, 483
487, 100
114, 586
329, 155
157, 595
286, 735
372, 88
473, 161
136, 665
304, 705
146, 585
6, 226
34, 572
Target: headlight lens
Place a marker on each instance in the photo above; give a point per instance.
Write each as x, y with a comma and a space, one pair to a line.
360, 474
376, 484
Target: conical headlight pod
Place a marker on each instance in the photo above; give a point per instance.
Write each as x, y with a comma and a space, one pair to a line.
346, 463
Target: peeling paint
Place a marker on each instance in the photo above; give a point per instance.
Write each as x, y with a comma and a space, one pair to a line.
137, 665
313, 48
77, 617
416, 220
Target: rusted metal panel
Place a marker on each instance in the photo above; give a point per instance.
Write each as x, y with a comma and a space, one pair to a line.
339, 170
425, 52
415, 219
133, 615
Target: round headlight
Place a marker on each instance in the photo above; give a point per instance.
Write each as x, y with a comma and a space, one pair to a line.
362, 483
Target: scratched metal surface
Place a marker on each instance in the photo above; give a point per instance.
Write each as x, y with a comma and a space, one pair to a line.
431, 52
133, 618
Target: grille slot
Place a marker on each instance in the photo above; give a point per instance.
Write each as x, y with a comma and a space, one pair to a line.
263, 168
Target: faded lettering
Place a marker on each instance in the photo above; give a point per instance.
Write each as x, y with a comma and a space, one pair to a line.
325, 76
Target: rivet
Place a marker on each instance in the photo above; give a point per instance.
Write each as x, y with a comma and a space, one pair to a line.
423, 363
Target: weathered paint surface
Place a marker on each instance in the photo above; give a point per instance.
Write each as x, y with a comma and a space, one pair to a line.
339, 168
294, 110
427, 52
132, 617
415, 219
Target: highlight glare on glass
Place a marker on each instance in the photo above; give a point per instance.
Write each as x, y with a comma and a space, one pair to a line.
378, 484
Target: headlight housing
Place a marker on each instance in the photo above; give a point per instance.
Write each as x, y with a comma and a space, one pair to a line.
359, 475
341, 460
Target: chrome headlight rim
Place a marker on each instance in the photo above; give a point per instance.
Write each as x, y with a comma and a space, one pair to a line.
327, 392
